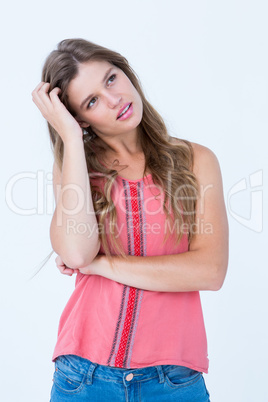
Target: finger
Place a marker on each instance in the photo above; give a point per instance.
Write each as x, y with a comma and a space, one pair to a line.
50, 99
59, 263
40, 97
40, 87
58, 260
54, 96
68, 271
60, 267
43, 91
55, 90
36, 89
45, 87
65, 271
63, 268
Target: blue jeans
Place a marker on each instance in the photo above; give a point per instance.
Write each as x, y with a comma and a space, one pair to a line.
78, 379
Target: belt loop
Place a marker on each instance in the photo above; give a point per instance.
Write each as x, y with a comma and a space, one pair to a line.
90, 372
161, 374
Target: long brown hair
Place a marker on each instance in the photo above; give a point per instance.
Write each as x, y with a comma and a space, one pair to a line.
176, 178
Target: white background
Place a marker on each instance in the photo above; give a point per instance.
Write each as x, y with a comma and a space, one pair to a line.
203, 65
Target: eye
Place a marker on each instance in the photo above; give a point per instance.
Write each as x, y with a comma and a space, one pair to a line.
111, 79
92, 102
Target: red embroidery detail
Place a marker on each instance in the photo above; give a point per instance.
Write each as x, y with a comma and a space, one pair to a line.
132, 291
124, 337
135, 218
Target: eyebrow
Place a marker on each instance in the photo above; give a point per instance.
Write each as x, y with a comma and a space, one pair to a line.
104, 79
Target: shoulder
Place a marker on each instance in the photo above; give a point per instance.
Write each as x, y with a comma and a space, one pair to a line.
200, 152
205, 162
206, 167
204, 158
207, 170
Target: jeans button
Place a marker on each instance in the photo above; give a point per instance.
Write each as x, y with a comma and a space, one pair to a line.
129, 377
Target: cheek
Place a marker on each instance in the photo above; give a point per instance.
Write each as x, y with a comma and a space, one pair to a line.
138, 99
140, 104
97, 116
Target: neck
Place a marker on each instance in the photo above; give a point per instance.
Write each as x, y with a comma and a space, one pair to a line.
121, 148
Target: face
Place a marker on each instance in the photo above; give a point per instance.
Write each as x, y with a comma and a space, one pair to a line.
103, 97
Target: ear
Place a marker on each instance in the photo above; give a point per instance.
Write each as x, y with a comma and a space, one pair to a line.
82, 123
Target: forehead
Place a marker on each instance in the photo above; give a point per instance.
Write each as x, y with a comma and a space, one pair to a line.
88, 80
93, 70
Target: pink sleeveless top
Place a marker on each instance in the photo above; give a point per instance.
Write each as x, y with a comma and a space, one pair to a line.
116, 325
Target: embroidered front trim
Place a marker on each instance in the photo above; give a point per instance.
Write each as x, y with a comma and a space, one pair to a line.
121, 351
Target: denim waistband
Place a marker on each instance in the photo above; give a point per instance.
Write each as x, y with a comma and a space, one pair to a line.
116, 374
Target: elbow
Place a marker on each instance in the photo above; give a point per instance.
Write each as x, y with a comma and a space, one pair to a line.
87, 258
78, 260
217, 277
74, 254
215, 286
75, 259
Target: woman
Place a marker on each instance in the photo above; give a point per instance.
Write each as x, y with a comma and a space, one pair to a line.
140, 218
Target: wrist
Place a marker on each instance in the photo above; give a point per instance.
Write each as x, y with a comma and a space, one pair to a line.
70, 133
104, 266
74, 141
99, 265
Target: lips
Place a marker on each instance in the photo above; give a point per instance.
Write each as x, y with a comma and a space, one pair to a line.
123, 110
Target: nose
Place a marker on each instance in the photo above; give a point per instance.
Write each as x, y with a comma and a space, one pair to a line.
113, 99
